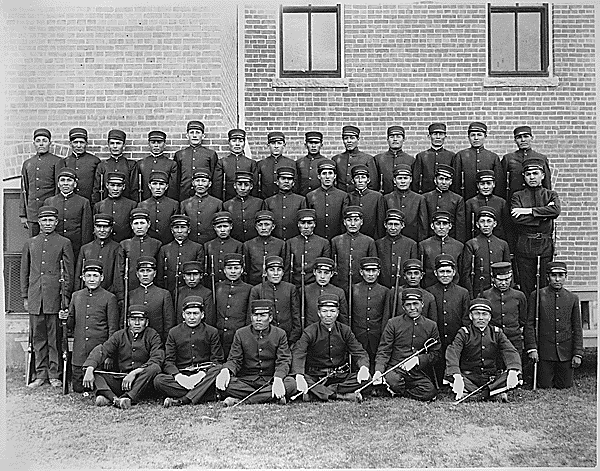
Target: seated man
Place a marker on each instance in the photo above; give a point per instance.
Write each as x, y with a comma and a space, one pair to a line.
139, 354
471, 358
193, 358
404, 335
259, 354
325, 346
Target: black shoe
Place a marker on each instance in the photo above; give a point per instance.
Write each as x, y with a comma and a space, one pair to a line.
172, 402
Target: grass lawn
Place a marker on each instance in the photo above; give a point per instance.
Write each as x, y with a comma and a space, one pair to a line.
548, 428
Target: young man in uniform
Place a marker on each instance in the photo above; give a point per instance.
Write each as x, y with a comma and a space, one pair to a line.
427, 161
216, 249
192, 272
243, 207
387, 162
285, 204
116, 205
235, 161
160, 207
306, 167
158, 161
412, 270
486, 182
323, 270
267, 168
82, 162
351, 157
370, 201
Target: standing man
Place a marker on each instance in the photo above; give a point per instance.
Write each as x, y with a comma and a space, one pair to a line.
486, 182
160, 207
192, 272
41, 292
235, 161
413, 274
387, 162
82, 162
370, 201
427, 161
158, 161
216, 249
117, 206
351, 157
194, 158
243, 207
324, 270
306, 167
267, 168
39, 176
284, 204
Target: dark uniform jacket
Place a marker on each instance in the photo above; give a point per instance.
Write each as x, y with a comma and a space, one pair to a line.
112, 257
306, 173
424, 168
560, 335
429, 305
93, 318
499, 204
329, 205
188, 346
385, 164
258, 355
255, 250
188, 161
224, 175
509, 312
242, 212
158, 302
126, 166
135, 248
466, 165
452, 308
40, 271
232, 306
284, 206
39, 175
84, 166
342, 248
311, 296
415, 210
170, 260
149, 164
287, 306
370, 313
478, 255
476, 352
310, 247
205, 294
216, 250
454, 204
75, 220
402, 337
344, 163
512, 171
320, 349
119, 209
373, 206
201, 211
132, 351
388, 250
160, 209
434, 246
267, 174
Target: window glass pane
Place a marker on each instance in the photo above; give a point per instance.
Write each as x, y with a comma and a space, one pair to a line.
295, 41
529, 25
502, 42
324, 41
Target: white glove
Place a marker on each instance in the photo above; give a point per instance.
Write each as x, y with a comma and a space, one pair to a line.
410, 364
183, 381
363, 374
223, 379
301, 384
278, 389
458, 387
377, 378
512, 380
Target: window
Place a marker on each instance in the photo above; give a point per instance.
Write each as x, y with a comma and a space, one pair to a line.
310, 41
518, 41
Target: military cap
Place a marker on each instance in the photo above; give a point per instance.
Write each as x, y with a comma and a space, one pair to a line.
195, 125
117, 135
487, 211
402, 169
263, 215
370, 262
437, 127
180, 220
244, 175
328, 300
273, 261
350, 131
67, 172
139, 213
443, 169
286, 172
533, 163
481, 304
477, 127
45, 211
102, 219
42, 132
78, 132
274, 136
442, 216
557, 267
201, 172
115, 177
236, 133
412, 294
221, 216
159, 176
396, 214
92, 264
396, 130
306, 213
325, 164
233, 259
444, 260
412, 264
519, 130
192, 266
313, 136
138, 310
145, 261
193, 301
324, 263
359, 169
262, 306
485, 175
501, 268
353, 211
157, 136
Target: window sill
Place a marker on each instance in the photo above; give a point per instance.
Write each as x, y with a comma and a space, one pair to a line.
520, 82
309, 83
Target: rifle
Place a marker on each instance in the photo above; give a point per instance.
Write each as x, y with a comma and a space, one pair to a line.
345, 368
350, 301
126, 300
223, 192
212, 280
302, 287
473, 225
462, 184
508, 187
464, 398
165, 277
537, 316
30, 364
481, 277
80, 281
264, 277
381, 183
473, 273
65, 340
140, 188
177, 281
396, 288
101, 186
291, 267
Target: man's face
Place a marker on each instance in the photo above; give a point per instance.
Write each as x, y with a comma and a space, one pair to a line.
236, 145
66, 184
102, 231
395, 141
275, 274
201, 185
157, 147
79, 145
265, 227
442, 182
41, 144
140, 226
157, 188
480, 318
146, 275
192, 279
192, 316
180, 232
314, 146
557, 279
47, 224
243, 187
115, 147
533, 177
437, 138
523, 141
260, 321
502, 282
276, 147
445, 274
323, 276
285, 183
115, 190
328, 315
353, 224
486, 225
477, 138
137, 324
413, 277
233, 272
370, 275
393, 227
195, 137
413, 307
327, 177
306, 227
441, 227
92, 279
402, 182
486, 187
223, 229
361, 181
350, 142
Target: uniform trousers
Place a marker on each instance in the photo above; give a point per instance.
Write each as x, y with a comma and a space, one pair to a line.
44, 332
558, 374
527, 268
203, 392
240, 387
341, 383
414, 384
110, 386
